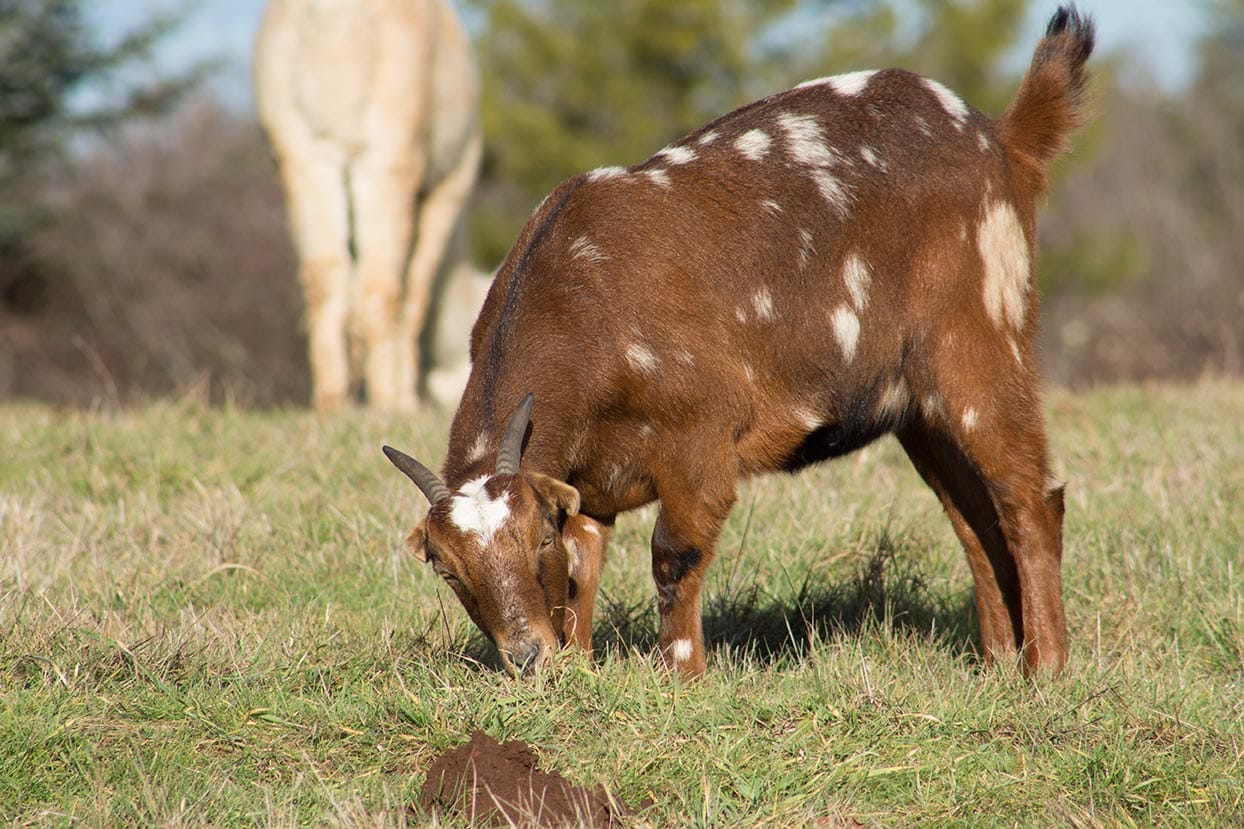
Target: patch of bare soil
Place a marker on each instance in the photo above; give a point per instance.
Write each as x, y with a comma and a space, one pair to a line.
501, 784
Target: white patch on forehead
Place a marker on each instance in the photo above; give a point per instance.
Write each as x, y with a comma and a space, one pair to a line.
1004, 251
478, 449
659, 177
642, 358
583, 248
681, 650
771, 206
952, 103
846, 331
708, 138
762, 301
602, 173
857, 278
473, 510
983, 140
969, 419
753, 144
677, 155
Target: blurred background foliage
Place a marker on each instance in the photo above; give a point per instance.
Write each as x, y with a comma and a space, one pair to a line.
142, 241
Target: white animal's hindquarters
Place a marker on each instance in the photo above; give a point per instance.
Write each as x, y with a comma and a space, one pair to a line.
356, 141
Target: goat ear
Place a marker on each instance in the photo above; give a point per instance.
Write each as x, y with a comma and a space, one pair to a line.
562, 495
417, 542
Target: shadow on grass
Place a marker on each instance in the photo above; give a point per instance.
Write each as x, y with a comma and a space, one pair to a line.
773, 625
768, 625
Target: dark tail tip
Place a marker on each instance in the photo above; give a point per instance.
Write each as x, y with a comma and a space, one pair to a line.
1068, 20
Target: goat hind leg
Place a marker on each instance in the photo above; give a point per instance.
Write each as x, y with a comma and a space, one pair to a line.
968, 506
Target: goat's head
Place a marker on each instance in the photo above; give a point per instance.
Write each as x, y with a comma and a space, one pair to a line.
497, 542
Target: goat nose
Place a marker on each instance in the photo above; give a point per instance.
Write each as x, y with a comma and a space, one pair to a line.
525, 656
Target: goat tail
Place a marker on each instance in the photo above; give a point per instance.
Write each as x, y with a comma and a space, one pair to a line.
1051, 98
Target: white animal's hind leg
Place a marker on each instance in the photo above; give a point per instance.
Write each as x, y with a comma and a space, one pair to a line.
440, 212
319, 221
384, 197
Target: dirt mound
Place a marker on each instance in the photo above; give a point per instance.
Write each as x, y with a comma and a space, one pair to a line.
501, 784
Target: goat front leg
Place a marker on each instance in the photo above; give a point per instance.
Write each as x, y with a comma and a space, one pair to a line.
683, 546
585, 540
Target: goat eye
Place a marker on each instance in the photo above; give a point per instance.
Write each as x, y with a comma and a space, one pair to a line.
547, 540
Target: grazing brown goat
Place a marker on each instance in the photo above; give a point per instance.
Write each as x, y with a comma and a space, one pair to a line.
846, 259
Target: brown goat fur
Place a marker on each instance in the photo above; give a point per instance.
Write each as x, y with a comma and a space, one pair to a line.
846, 259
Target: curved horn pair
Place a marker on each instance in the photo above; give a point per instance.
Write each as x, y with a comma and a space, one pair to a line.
508, 456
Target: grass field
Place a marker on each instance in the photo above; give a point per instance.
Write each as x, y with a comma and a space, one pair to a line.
207, 618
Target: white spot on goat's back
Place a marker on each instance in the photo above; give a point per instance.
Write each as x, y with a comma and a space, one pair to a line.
753, 144
1004, 252
762, 301
871, 158
846, 331
850, 83
832, 189
658, 177
952, 103
983, 141
473, 510
805, 247
681, 650
857, 279
585, 249
677, 155
603, 173
771, 206
805, 140
708, 138
642, 358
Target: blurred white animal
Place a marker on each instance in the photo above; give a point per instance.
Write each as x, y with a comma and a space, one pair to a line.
372, 109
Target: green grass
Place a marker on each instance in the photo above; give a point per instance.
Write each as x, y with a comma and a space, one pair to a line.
207, 617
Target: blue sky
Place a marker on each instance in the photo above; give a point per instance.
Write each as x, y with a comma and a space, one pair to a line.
1159, 33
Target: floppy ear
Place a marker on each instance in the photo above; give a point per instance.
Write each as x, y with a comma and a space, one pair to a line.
417, 542
561, 495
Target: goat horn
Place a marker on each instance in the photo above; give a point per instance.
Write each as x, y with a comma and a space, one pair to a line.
512, 442
431, 486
